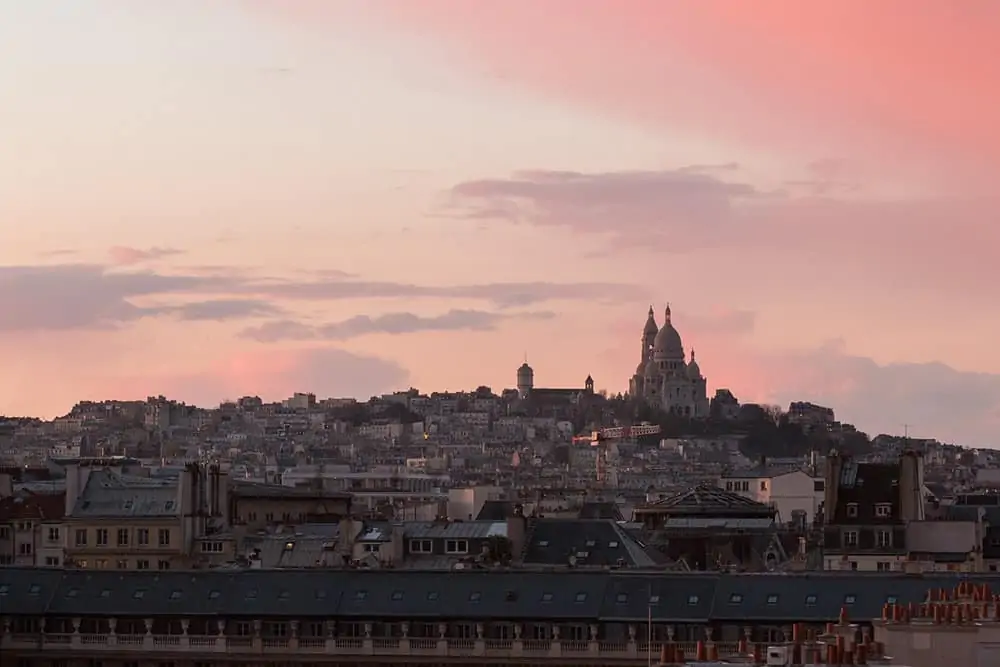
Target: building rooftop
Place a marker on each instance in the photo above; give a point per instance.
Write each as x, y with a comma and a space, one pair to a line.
110, 494
598, 595
710, 500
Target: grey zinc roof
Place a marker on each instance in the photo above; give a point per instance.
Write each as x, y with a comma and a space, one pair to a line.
589, 543
568, 594
454, 529
707, 499
109, 494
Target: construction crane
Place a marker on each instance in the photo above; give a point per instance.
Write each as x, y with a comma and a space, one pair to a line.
601, 439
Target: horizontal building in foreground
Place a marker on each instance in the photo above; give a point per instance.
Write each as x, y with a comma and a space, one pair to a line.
263, 617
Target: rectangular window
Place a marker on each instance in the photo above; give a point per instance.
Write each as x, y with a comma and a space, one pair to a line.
852, 510
421, 546
456, 546
850, 538
51, 561
142, 565
102, 537
884, 539
25, 549
163, 537
123, 537
81, 537
53, 534
163, 565
142, 537
883, 510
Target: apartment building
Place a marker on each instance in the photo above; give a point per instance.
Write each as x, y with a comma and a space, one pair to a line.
32, 532
867, 508
396, 617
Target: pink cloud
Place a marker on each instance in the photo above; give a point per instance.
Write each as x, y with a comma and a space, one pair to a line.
897, 78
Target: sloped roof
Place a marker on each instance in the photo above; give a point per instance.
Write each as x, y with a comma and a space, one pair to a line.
589, 543
707, 499
505, 594
33, 506
110, 494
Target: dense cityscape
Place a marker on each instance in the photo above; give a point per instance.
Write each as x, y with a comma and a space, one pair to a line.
319, 325
548, 525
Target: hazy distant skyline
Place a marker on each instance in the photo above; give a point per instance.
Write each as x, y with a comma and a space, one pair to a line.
349, 197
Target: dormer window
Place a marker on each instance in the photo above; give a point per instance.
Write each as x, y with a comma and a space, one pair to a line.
852, 510
883, 510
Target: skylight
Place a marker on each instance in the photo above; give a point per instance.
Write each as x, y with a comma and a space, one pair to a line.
810, 599
735, 598
139, 594
772, 599
397, 595
283, 595
34, 589
212, 595
251, 594
622, 598
543, 543
175, 595
692, 600
432, 595
849, 599
320, 595
891, 599
3, 589
106, 593
546, 597
475, 596
73, 592
360, 595
581, 597
613, 545
654, 599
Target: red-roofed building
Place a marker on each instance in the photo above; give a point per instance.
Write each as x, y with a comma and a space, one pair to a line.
32, 530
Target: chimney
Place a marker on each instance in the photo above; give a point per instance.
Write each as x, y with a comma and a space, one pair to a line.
516, 530
834, 464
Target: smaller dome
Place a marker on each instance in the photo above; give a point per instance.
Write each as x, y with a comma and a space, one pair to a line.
524, 367
651, 370
694, 370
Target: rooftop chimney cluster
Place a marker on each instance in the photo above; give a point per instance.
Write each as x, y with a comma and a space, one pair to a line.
842, 643
966, 604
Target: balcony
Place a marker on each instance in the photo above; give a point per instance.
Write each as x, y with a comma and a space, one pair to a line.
579, 651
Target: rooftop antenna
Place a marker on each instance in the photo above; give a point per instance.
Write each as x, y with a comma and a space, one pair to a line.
906, 431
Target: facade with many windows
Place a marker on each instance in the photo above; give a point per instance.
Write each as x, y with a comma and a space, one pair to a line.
489, 617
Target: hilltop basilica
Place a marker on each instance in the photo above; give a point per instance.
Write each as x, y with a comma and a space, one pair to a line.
664, 376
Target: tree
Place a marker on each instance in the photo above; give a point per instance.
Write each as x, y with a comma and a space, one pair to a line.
774, 413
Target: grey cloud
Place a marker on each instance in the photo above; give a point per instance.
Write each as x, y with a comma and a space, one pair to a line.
655, 201
502, 295
79, 296
682, 210
938, 400
126, 256
224, 309
391, 323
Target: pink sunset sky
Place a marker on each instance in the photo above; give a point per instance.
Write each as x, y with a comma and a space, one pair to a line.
207, 200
